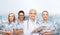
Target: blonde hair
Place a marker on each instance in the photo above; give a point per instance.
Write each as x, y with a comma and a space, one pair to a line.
9, 16
32, 10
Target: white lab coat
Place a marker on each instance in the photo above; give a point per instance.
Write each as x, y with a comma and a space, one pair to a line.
29, 26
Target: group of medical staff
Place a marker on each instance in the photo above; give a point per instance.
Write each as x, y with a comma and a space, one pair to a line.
30, 26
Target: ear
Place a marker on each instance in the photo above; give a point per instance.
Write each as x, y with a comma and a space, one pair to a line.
24, 18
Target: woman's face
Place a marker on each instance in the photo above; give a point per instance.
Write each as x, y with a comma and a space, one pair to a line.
11, 17
21, 16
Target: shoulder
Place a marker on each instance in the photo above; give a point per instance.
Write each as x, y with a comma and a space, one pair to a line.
50, 22
25, 22
5, 23
16, 22
40, 22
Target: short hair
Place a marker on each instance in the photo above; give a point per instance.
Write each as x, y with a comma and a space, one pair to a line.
32, 10
21, 11
44, 11
9, 16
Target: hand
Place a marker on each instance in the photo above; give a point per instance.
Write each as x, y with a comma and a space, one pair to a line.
42, 31
46, 31
19, 31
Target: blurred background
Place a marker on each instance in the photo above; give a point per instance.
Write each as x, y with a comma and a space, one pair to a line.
52, 6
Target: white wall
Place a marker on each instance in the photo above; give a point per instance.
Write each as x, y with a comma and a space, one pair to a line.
52, 6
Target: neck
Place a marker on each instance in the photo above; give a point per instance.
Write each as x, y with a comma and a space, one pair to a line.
10, 22
21, 21
45, 21
32, 19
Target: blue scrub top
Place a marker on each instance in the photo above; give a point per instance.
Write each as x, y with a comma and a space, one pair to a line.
47, 26
19, 26
8, 27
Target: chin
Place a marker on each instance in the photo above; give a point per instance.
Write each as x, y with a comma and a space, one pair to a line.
45, 18
33, 17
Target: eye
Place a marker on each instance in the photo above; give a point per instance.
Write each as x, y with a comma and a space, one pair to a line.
43, 14
46, 14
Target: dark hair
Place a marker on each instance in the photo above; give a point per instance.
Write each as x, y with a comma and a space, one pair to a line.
44, 11
9, 16
21, 11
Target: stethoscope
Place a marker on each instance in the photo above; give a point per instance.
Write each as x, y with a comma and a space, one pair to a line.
28, 24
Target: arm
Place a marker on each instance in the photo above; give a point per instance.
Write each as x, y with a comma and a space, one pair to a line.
37, 27
5, 32
47, 31
18, 31
11, 32
51, 30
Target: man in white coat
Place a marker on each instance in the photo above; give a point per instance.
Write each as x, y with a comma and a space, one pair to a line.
31, 24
